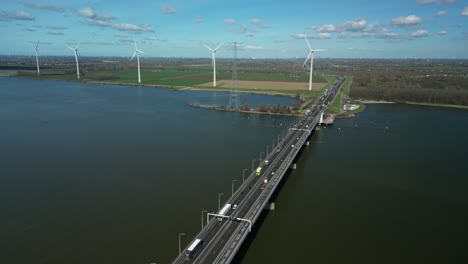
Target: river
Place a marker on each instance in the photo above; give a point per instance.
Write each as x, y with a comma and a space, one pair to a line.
112, 174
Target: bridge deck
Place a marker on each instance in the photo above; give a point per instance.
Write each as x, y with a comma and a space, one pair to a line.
222, 239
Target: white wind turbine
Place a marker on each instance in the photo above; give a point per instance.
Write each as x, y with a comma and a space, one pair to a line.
75, 50
311, 55
37, 59
137, 53
213, 61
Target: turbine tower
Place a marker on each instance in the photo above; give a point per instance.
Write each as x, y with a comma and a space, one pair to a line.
213, 61
311, 55
137, 53
76, 59
37, 59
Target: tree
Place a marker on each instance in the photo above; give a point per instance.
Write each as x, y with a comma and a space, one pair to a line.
245, 107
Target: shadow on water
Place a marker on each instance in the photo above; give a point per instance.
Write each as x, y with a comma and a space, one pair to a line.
253, 234
258, 224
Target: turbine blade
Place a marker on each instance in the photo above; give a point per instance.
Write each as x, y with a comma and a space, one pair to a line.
308, 56
139, 51
37, 45
77, 45
208, 47
319, 50
308, 45
70, 48
219, 46
134, 53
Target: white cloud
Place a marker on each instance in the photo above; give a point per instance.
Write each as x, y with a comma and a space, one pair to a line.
354, 35
259, 23
464, 12
447, 2
325, 28
120, 36
53, 32
442, 13
229, 21
322, 35
8, 16
444, 2
442, 32
426, 2
198, 20
299, 36
95, 19
97, 22
90, 13
406, 21
354, 25
45, 7
133, 28
420, 33
252, 47
165, 9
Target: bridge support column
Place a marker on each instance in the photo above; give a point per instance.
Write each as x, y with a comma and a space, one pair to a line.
270, 206
307, 143
321, 118
293, 166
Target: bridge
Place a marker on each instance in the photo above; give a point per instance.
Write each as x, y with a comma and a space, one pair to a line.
222, 236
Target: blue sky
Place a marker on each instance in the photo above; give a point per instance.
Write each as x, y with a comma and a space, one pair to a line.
266, 29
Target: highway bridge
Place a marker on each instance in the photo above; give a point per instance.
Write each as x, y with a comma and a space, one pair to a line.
223, 235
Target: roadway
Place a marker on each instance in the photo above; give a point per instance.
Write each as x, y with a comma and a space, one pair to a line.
223, 238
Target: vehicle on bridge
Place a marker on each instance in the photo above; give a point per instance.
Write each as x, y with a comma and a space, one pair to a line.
193, 247
223, 211
264, 184
258, 171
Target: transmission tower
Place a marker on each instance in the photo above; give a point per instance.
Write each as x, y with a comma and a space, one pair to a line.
234, 100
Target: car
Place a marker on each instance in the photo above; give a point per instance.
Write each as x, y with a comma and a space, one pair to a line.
234, 207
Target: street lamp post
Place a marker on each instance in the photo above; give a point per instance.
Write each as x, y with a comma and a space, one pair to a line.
260, 160
219, 201
243, 175
204, 211
232, 187
267, 149
180, 234
253, 165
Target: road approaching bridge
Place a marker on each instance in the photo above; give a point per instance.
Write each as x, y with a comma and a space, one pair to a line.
224, 233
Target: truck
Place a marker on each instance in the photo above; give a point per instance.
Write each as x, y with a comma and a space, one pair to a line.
258, 171
193, 247
223, 211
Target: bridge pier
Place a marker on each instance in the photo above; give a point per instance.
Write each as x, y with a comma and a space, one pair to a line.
321, 118
293, 166
270, 206
307, 143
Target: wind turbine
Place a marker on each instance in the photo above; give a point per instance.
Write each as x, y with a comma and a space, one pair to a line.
213, 61
76, 58
137, 52
311, 55
37, 59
